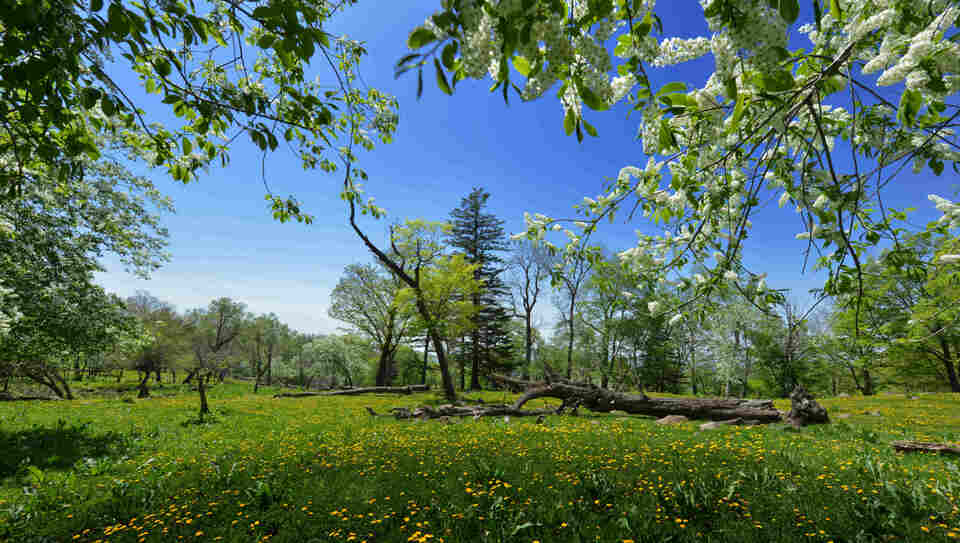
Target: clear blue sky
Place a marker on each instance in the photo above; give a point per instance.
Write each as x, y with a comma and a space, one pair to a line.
224, 242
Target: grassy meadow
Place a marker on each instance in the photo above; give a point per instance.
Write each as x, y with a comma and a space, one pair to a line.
112, 469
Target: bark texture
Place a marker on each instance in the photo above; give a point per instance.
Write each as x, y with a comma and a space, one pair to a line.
448, 411
922, 446
602, 400
409, 389
805, 410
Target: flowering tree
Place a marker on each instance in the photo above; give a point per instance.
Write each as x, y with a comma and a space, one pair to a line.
875, 80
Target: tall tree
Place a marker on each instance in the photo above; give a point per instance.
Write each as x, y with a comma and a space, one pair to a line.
214, 328
364, 298
166, 341
414, 246
569, 277
530, 265
50, 239
264, 338
481, 239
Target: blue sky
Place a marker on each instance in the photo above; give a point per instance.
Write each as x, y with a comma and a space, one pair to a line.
223, 241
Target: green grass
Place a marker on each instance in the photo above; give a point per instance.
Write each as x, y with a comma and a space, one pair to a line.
321, 469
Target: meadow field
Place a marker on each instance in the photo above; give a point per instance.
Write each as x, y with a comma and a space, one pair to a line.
321, 469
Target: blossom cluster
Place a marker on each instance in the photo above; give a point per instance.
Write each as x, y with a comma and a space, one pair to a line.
728, 139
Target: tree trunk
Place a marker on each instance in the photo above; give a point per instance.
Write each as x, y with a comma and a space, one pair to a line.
202, 388
426, 353
868, 388
603, 401
409, 389
449, 393
948, 365
68, 394
190, 376
747, 366
570, 342
922, 446
143, 390
446, 412
384, 370
527, 344
77, 369
693, 364
475, 361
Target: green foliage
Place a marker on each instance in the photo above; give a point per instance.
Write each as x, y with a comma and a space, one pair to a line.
220, 70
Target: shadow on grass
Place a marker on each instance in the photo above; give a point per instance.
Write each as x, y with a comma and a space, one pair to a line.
56, 448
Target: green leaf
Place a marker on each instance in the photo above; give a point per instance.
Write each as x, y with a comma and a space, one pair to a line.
107, 105
522, 65
590, 98
832, 84
89, 97
675, 86
266, 41
579, 132
96, 5
666, 139
445, 20
449, 55
162, 66
593, 131
730, 85
713, 9
420, 37
117, 22
817, 14
790, 10
910, 103
569, 121
778, 81
835, 9
441, 78
641, 29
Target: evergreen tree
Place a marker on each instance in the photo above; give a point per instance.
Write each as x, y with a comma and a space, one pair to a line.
481, 239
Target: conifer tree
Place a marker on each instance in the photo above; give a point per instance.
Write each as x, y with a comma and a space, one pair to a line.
480, 237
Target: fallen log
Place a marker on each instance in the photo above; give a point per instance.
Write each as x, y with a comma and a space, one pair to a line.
11, 398
446, 411
923, 446
603, 400
408, 389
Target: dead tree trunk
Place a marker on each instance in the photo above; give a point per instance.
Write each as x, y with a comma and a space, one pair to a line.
604, 401
921, 446
446, 411
409, 389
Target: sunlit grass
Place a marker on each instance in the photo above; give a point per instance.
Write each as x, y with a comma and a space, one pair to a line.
320, 468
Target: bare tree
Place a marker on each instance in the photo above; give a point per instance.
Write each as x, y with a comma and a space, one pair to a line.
528, 268
570, 277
